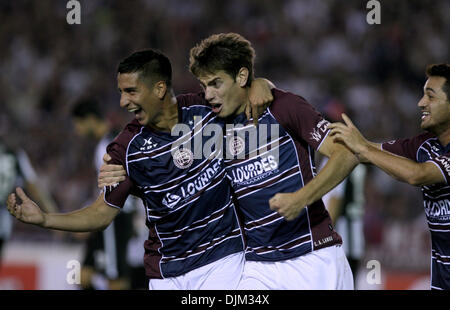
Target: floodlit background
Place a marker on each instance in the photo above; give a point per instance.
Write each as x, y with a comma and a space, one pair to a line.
323, 50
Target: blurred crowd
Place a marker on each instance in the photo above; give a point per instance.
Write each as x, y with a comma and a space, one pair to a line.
323, 50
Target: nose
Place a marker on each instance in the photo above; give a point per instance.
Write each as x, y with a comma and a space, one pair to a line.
123, 101
422, 102
209, 94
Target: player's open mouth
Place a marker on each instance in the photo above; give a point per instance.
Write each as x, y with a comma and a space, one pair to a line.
137, 112
216, 108
424, 114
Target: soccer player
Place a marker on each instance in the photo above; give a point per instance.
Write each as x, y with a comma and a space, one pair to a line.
423, 160
288, 246
291, 243
195, 240
16, 169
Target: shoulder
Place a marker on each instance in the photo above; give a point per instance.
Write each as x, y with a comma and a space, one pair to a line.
287, 105
282, 98
122, 140
416, 141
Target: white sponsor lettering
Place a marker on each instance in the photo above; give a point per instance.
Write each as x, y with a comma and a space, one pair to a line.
445, 161
315, 135
171, 200
265, 166
200, 182
437, 208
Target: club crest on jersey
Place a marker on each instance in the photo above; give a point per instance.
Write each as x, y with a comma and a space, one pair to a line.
183, 158
171, 200
236, 145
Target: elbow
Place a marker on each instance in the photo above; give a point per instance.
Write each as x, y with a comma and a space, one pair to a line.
416, 177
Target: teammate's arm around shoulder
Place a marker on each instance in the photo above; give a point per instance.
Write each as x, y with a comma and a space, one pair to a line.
96, 216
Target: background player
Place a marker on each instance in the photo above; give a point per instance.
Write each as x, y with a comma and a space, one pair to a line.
423, 160
17, 170
106, 251
345, 203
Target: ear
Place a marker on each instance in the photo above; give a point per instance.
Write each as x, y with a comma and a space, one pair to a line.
242, 77
160, 89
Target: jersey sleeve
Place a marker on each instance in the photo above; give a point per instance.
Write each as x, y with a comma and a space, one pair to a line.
405, 147
299, 118
116, 196
443, 162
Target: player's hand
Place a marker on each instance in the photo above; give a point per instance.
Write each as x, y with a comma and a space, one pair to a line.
260, 96
26, 211
287, 205
349, 135
110, 174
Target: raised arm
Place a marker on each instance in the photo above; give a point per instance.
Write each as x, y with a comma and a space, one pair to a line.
96, 216
400, 168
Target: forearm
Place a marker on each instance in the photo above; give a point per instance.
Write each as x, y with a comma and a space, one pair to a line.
400, 168
338, 167
91, 218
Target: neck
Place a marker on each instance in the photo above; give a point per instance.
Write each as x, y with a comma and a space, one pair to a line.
169, 115
244, 103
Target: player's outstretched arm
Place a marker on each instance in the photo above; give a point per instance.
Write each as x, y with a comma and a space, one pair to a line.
94, 217
260, 96
400, 168
341, 162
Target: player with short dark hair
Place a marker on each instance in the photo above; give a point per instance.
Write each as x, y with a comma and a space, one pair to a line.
291, 243
423, 160
195, 241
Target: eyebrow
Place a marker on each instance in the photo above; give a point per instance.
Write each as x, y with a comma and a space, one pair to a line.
128, 89
430, 89
212, 81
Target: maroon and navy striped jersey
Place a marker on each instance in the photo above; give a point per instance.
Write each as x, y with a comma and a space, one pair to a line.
436, 199
191, 217
278, 157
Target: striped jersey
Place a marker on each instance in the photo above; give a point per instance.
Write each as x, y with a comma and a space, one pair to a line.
191, 217
436, 199
278, 157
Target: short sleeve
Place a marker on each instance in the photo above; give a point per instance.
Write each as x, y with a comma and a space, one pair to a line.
406, 147
443, 162
299, 118
116, 196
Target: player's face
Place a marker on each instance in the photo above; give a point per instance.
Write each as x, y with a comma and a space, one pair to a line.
137, 97
435, 106
224, 93
85, 126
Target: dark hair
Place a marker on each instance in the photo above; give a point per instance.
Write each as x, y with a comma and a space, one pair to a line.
442, 70
150, 64
85, 107
224, 51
